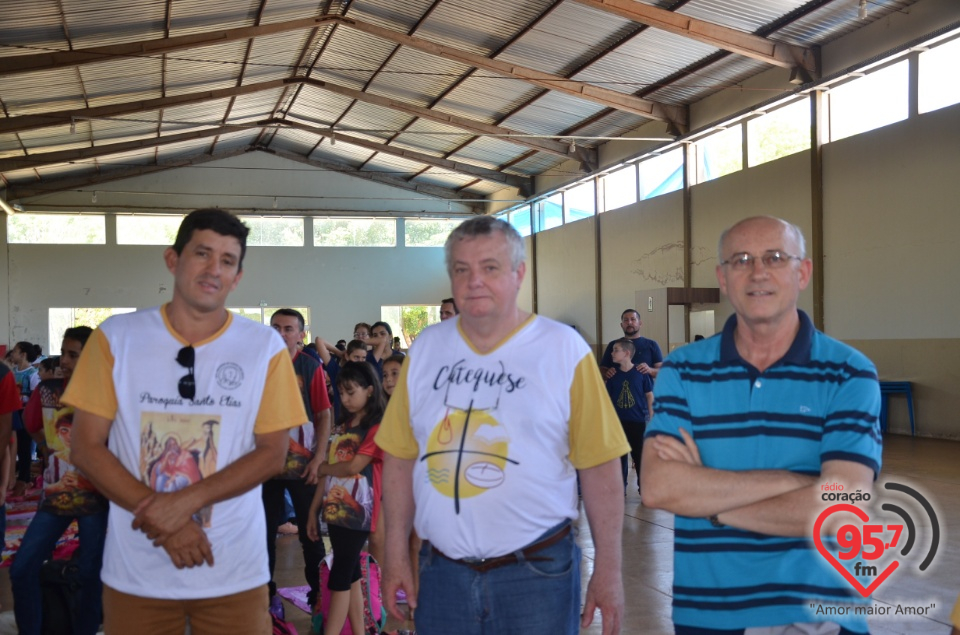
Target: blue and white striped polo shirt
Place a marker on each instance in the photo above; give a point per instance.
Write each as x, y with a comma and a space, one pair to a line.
820, 402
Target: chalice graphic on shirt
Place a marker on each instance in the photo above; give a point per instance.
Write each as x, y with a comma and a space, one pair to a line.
467, 451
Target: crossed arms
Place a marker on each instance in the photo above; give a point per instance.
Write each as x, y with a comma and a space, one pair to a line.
772, 502
166, 518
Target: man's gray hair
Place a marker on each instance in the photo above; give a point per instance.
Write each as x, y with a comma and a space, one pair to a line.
485, 226
795, 232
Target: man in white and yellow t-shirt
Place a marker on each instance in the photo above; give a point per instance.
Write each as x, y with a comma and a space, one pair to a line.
182, 412
493, 416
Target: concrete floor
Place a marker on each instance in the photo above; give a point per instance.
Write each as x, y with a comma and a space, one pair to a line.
930, 466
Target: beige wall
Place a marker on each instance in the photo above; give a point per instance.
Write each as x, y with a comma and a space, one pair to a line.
566, 281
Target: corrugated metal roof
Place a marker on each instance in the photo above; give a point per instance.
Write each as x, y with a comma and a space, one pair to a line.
561, 37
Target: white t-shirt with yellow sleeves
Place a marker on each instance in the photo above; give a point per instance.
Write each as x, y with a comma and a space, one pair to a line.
497, 437
128, 373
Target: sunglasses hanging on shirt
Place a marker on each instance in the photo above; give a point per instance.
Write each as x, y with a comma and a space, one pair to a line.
188, 383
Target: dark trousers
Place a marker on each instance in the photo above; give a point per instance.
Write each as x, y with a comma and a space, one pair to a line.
273, 505
634, 431
25, 447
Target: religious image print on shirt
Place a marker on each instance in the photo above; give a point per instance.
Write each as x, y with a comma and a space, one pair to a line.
348, 500
178, 450
468, 450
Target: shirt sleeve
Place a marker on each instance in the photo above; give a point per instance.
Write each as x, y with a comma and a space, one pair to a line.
33, 414
9, 394
851, 429
319, 398
281, 406
91, 386
655, 354
369, 446
395, 434
670, 408
34, 381
596, 435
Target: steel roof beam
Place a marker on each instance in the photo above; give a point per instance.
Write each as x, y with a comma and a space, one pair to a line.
18, 64
386, 179
22, 193
589, 92
740, 42
521, 182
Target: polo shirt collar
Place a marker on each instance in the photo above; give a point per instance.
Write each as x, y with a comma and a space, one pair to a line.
799, 352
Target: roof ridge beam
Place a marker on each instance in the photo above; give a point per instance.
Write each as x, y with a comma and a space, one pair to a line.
603, 96
740, 42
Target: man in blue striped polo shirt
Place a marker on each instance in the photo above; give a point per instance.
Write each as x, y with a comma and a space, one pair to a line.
747, 427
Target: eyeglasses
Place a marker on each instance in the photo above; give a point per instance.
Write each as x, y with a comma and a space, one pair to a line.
773, 259
187, 384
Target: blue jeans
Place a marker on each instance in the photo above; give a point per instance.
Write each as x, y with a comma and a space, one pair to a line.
541, 596
37, 546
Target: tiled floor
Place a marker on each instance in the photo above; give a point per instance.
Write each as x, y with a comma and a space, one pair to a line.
932, 467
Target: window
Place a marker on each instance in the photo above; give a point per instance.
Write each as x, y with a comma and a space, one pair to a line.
548, 212
408, 321
355, 232
59, 320
876, 100
618, 188
938, 76
661, 174
86, 229
262, 315
147, 229
779, 133
427, 232
520, 219
274, 232
720, 153
580, 201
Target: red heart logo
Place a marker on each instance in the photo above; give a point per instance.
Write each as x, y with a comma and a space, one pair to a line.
862, 515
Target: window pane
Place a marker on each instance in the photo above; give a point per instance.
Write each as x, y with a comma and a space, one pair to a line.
661, 174
88, 229
619, 188
251, 313
720, 153
61, 319
580, 201
549, 212
938, 76
355, 232
779, 133
879, 99
147, 230
408, 321
520, 219
274, 232
427, 232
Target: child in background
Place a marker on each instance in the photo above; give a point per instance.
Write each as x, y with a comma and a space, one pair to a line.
632, 395
349, 494
47, 368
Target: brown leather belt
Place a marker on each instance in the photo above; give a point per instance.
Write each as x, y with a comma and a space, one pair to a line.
486, 564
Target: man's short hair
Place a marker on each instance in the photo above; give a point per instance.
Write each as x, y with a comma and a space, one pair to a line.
78, 334
484, 226
218, 220
450, 301
625, 311
356, 345
384, 325
291, 313
626, 344
796, 232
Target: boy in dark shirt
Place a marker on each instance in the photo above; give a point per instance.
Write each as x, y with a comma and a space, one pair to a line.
632, 395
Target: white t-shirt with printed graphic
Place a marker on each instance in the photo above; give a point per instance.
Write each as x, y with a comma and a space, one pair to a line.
245, 385
497, 437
